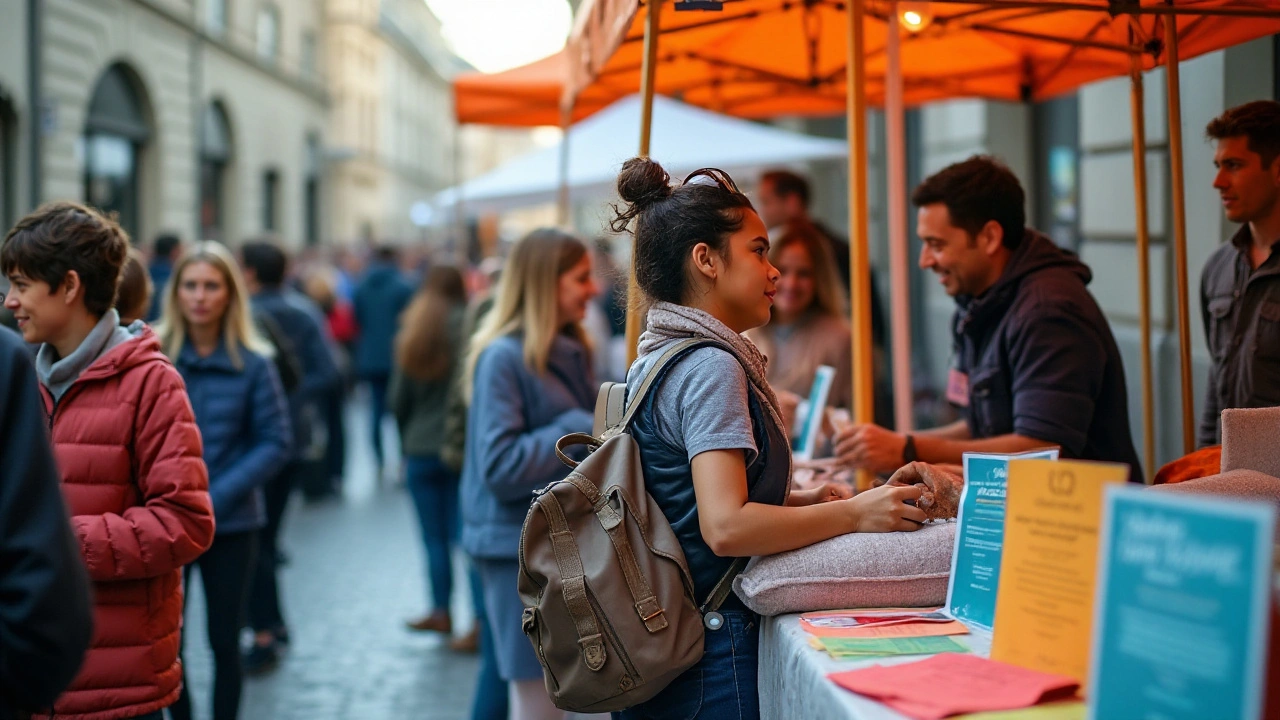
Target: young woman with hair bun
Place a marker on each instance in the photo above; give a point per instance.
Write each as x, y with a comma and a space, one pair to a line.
713, 445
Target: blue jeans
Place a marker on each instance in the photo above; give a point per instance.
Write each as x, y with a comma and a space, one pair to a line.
722, 686
434, 488
378, 383
490, 701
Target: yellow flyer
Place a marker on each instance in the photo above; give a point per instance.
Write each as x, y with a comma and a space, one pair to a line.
1044, 606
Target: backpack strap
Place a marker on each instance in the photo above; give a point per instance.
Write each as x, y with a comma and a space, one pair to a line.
724, 586
643, 599
656, 372
573, 583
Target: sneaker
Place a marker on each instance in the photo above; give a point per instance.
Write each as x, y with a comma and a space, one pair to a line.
261, 659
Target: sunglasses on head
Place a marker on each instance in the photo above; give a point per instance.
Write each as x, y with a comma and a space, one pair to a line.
712, 176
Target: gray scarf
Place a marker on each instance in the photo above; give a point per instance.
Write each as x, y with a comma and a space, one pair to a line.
669, 322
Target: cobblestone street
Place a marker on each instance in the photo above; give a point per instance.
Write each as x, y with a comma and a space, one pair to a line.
355, 574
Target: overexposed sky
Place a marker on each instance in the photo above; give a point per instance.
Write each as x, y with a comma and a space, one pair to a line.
496, 35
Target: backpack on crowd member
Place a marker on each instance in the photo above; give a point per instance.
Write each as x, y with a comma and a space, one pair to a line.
609, 599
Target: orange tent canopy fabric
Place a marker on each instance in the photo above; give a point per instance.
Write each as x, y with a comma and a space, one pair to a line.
526, 96
764, 58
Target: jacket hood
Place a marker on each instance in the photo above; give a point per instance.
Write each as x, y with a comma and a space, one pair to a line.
143, 347
1036, 254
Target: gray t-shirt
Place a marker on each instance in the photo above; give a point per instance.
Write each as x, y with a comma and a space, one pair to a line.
701, 404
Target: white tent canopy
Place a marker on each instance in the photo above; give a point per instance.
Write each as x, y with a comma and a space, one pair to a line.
683, 139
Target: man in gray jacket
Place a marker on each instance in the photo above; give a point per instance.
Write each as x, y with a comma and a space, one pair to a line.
1240, 287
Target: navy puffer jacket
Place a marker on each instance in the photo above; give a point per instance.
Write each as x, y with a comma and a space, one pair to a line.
244, 422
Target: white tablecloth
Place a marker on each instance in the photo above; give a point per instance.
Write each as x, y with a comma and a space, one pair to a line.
793, 676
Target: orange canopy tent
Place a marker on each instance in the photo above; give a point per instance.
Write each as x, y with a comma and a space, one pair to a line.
526, 96
764, 58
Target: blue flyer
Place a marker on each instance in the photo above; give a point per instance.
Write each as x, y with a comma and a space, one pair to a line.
1183, 604
975, 562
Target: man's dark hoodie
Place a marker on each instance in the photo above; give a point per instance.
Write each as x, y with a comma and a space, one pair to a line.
1041, 360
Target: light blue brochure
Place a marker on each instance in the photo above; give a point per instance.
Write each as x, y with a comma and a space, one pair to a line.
975, 562
811, 413
1181, 619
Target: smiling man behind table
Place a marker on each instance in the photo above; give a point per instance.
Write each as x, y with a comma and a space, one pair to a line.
1035, 362
1240, 287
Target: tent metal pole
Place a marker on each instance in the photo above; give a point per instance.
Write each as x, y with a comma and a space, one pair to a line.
1138, 112
899, 270
563, 207
859, 260
652, 29
1179, 230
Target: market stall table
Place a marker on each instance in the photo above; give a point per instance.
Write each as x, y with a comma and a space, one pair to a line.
793, 675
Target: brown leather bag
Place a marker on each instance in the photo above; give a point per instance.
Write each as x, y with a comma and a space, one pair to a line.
608, 596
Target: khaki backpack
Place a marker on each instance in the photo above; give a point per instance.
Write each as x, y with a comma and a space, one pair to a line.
608, 596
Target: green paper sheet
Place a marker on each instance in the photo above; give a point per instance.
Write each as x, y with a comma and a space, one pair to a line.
1070, 710
851, 648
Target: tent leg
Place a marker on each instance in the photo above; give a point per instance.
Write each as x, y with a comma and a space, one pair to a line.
1179, 230
899, 272
859, 260
563, 208
635, 302
1136, 99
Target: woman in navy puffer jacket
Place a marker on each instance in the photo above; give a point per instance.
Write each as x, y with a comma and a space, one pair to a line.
240, 408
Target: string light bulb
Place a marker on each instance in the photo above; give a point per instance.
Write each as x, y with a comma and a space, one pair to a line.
915, 16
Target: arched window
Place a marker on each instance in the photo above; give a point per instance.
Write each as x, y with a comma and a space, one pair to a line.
311, 192
215, 155
8, 161
269, 33
114, 134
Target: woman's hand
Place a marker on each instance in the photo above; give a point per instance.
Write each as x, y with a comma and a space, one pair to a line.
885, 509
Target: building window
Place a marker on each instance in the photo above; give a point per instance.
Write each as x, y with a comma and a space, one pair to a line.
270, 200
8, 162
310, 55
1057, 167
311, 193
215, 17
269, 33
115, 133
215, 155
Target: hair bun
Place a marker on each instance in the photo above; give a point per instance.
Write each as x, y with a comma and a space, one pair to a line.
643, 182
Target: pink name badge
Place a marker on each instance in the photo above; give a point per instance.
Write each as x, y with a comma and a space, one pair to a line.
958, 388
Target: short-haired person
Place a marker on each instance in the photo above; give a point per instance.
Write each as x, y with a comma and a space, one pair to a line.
303, 328
714, 450
128, 448
1240, 285
164, 253
240, 408
530, 383
133, 301
1035, 361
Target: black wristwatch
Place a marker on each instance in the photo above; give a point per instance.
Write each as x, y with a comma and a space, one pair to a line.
909, 451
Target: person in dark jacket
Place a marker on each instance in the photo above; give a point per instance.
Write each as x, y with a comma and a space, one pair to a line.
265, 266
1035, 361
46, 611
529, 381
382, 295
164, 254
1240, 286
239, 405
428, 358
